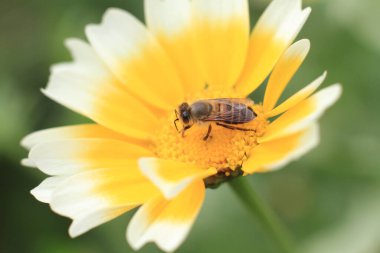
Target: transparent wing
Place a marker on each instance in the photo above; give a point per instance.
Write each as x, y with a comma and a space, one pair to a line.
231, 110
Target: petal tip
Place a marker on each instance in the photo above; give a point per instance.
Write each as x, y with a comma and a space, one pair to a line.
332, 93
70, 42
307, 11
317, 82
28, 163
25, 142
306, 44
90, 29
114, 11
39, 195
74, 231
45, 91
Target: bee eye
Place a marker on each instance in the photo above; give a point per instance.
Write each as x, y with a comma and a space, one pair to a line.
185, 117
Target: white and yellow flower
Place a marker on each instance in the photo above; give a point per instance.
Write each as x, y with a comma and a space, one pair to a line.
129, 79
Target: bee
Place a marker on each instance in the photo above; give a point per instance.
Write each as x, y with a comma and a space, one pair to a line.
224, 112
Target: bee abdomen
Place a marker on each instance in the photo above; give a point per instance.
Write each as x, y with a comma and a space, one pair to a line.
238, 113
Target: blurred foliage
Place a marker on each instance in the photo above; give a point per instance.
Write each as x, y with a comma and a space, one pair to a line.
329, 199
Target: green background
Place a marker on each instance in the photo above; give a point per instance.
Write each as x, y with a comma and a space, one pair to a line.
329, 199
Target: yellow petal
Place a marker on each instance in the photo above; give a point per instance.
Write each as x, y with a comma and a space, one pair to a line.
134, 55
166, 222
298, 97
171, 177
73, 132
96, 196
71, 156
273, 33
277, 153
221, 39
284, 70
87, 87
302, 115
171, 22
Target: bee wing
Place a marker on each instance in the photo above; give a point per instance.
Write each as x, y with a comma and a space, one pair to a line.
231, 110
245, 101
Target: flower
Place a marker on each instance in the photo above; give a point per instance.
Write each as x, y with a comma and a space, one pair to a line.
129, 80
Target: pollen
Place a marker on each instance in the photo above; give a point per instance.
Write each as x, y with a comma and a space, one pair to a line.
225, 149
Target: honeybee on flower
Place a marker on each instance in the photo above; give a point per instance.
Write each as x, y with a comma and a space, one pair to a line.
129, 78
224, 112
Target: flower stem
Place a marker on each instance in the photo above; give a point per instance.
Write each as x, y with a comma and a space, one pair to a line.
260, 210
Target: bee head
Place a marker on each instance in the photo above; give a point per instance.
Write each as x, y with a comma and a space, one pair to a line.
184, 113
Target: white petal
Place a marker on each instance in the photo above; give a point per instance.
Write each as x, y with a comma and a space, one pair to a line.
71, 156
286, 17
171, 21
94, 218
308, 141
273, 33
298, 97
87, 87
44, 191
277, 153
136, 58
221, 39
28, 163
168, 17
93, 197
166, 222
70, 132
283, 71
171, 177
304, 114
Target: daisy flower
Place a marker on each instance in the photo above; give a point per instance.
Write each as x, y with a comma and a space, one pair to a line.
130, 78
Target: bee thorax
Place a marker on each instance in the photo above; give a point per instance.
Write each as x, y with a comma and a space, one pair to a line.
200, 110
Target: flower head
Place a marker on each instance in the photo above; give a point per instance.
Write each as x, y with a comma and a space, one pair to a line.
130, 79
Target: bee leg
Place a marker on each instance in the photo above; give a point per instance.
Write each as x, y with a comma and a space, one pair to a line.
208, 133
175, 124
184, 129
245, 157
234, 127
176, 120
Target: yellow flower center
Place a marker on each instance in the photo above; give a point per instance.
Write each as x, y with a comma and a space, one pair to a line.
225, 149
